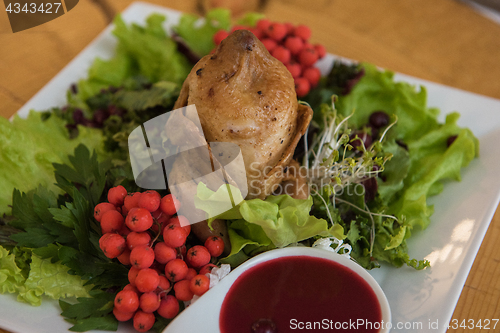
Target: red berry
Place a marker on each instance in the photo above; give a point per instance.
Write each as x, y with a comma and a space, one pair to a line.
143, 321
169, 204
101, 209
124, 230
164, 253
127, 301
150, 201
116, 195
257, 32
214, 245
160, 223
312, 74
159, 268
269, 44
124, 211
131, 287
149, 302
174, 236
169, 307
157, 213
198, 256
277, 31
132, 275
176, 270
132, 200
294, 68
294, 44
321, 50
302, 86
147, 280
163, 219
142, 256
135, 239
220, 36
112, 245
199, 284
182, 290
281, 54
139, 219
289, 28
111, 221
124, 258
263, 24
207, 269
308, 56
308, 45
164, 284
190, 274
303, 32
122, 316
181, 221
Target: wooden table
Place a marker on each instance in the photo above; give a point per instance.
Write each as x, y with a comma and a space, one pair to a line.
439, 40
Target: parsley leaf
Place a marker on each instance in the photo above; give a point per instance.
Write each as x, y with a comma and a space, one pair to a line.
93, 313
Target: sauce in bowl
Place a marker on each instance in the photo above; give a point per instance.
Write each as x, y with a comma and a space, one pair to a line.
291, 289
300, 293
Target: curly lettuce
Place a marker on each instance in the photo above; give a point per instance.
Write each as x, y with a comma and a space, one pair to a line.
28, 147
44, 278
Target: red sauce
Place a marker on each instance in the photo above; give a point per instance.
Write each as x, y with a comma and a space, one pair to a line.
295, 292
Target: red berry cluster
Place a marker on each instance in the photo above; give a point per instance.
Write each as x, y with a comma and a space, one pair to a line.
289, 44
141, 231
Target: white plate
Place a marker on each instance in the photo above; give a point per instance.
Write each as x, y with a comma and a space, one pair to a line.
462, 214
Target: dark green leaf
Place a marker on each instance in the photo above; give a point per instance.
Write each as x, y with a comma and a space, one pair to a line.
42, 201
33, 237
66, 254
63, 215
49, 251
81, 211
22, 210
100, 304
161, 94
106, 323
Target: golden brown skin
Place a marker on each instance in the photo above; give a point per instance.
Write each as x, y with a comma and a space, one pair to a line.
245, 96
294, 183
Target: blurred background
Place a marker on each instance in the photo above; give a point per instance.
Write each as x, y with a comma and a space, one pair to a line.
456, 43
445, 41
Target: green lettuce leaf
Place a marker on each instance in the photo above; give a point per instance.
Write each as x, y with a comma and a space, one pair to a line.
11, 277
141, 51
277, 221
199, 37
250, 19
422, 161
45, 278
28, 147
52, 280
376, 90
395, 171
432, 162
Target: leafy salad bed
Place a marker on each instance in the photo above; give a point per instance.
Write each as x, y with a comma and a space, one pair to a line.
49, 238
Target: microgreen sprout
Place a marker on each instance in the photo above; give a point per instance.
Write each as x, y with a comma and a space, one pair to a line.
338, 158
